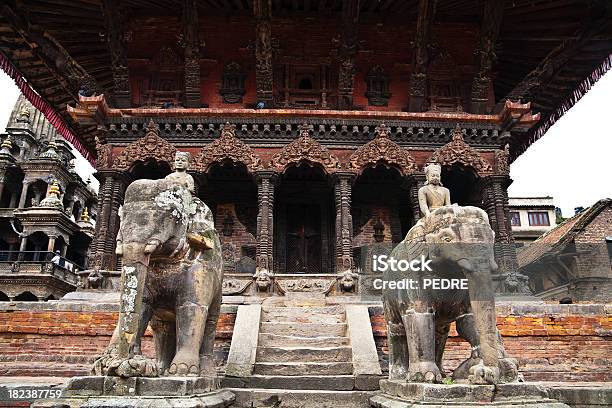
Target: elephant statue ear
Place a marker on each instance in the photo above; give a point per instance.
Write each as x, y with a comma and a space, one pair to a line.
414, 249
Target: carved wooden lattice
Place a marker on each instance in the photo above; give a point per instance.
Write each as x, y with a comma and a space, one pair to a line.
382, 149
304, 148
458, 151
227, 147
151, 146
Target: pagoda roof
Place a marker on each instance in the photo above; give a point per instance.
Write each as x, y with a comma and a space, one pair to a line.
547, 54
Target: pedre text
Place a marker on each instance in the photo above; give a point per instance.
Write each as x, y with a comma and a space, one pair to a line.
426, 283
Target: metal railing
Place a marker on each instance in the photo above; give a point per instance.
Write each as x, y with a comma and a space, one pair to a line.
40, 257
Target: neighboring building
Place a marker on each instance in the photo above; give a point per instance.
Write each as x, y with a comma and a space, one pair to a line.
45, 207
573, 260
530, 218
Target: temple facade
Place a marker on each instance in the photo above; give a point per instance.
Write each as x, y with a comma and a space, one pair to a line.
47, 211
309, 123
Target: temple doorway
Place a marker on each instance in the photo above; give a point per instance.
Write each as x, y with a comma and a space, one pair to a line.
304, 221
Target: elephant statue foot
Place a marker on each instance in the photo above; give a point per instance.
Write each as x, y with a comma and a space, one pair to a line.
481, 374
137, 366
426, 371
185, 364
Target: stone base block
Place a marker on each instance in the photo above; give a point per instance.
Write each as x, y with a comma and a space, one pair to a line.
90, 386
212, 399
398, 394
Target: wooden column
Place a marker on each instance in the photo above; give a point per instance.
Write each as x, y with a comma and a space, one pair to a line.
344, 222
110, 197
485, 54
191, 38
414, 182
115, 37
263, 52
265, 220
495, 201
347, 52
418, 79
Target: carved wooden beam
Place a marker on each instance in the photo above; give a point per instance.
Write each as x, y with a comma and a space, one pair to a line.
263, 51
68, 72
114, 24
485, 54
420, 62
347, 52
191, 42
597, 21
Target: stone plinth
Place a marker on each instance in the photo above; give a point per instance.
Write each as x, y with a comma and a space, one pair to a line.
97, 391
397, 394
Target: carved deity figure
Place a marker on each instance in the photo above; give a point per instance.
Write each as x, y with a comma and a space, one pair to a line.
180, 176
433, 195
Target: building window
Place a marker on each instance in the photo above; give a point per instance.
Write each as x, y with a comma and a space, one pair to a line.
538, 219
515, 219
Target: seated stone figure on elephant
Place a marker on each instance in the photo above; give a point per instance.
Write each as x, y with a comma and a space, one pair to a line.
171, 277
459, 242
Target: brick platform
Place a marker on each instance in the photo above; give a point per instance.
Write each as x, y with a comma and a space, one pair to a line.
552, 342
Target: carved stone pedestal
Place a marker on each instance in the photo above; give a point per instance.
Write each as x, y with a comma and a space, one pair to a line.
94, 391
397, 394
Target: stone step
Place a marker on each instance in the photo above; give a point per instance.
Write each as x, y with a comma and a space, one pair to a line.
300, 311
253, 398
299, 368
282, 340
304, 354
304, 329
302, 382
279, 317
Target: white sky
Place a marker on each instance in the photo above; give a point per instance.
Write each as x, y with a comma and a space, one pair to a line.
571, 162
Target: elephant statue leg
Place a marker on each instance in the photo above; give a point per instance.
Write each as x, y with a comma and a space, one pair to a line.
483, 307
191, 314
466, 328
138, 365
398, 351
207, 363
421, 350
441, 336
164, 335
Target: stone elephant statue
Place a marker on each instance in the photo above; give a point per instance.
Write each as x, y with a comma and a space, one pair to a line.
171, 277
459, 242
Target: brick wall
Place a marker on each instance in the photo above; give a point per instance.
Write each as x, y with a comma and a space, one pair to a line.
551, 342
65, 342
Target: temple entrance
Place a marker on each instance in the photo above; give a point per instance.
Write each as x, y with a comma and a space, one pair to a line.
303, 238
304, 221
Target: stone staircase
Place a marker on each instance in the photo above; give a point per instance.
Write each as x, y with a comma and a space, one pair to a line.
288, 353
304, 342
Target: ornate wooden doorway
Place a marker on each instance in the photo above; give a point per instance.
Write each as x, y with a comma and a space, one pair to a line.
303, 222
303, 238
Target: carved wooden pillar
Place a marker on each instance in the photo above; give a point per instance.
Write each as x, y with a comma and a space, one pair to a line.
263, 52
24, 193
414, 182
344, 221
347, 52
110, 198
191, 38
265, 220
51, 243
115, 36
418, 78
495, 201
485, 54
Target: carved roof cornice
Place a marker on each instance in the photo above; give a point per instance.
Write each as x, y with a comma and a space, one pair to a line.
304, 148
151, 146
227, 147
382, 149
457, 151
